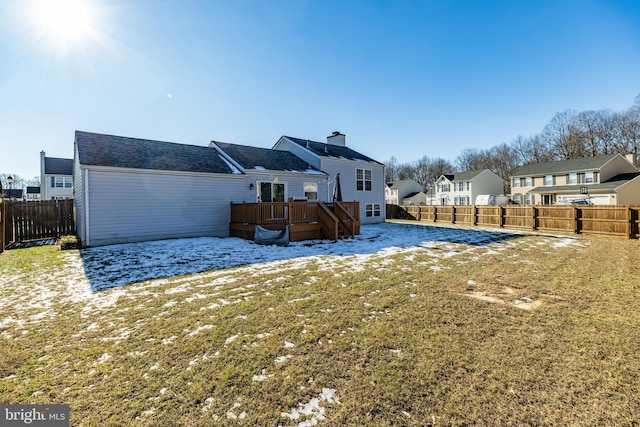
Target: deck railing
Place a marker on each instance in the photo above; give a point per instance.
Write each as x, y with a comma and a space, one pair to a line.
297, 215
328, 222
347, 214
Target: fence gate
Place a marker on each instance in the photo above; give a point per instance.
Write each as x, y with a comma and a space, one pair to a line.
36, 220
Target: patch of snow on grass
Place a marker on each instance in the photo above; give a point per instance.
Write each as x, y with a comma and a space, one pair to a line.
312, 411
230, 339
564, 242
104, 358
200, 329
167, 341
282, 359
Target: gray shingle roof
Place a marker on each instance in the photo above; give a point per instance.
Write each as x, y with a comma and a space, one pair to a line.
122, 152
463, 176
397, 184
328, 150
12, 193
259, 158
57, 166
565, 166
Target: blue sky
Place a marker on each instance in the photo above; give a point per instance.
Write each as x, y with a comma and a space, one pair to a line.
399, 78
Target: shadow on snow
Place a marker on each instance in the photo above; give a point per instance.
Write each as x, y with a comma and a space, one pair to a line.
118, 265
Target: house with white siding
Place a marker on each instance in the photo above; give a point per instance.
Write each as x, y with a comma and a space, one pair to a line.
397, 191
361, 177
462, 188
56, 178
132, 189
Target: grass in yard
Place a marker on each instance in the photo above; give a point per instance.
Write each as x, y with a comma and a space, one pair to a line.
532, 331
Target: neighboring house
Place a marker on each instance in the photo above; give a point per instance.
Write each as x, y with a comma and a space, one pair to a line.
56, 178
12, 193
130, 189
275, 176
361, 177
416, 198
609, 179
33, 193
396, 191
431, 196
461, 188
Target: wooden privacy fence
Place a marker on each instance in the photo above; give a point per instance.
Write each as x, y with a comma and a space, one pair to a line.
619, 221
35, 220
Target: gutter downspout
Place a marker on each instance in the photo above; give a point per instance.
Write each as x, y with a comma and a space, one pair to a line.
86, 207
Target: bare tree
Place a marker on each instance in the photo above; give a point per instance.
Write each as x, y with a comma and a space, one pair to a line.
504, 161
564, 136
587, 123
440, 167
422, 171
627, 139
405, 171
471, 159
391, 169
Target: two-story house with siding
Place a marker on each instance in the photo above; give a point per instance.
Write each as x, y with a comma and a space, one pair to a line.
361, 177
462, 188
609, 179
404, 190
186, 190
56, 178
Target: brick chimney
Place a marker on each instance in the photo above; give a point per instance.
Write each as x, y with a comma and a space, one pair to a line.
336, 138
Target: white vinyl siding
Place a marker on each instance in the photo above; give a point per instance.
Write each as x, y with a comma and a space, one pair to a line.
130, 207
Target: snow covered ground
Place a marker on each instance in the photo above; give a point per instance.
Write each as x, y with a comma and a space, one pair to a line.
117, 265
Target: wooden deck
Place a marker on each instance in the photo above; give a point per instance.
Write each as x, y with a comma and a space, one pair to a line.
306, 220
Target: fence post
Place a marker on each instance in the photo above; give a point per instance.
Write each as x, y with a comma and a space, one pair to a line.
576, 220
534, 218
502, 213
629, 224
475, 215
435, 214
453, 214
2, 219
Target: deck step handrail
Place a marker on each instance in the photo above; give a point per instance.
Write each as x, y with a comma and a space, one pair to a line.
347, 221
328, 222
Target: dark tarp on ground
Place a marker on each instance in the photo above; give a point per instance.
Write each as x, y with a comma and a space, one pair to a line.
264, 236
